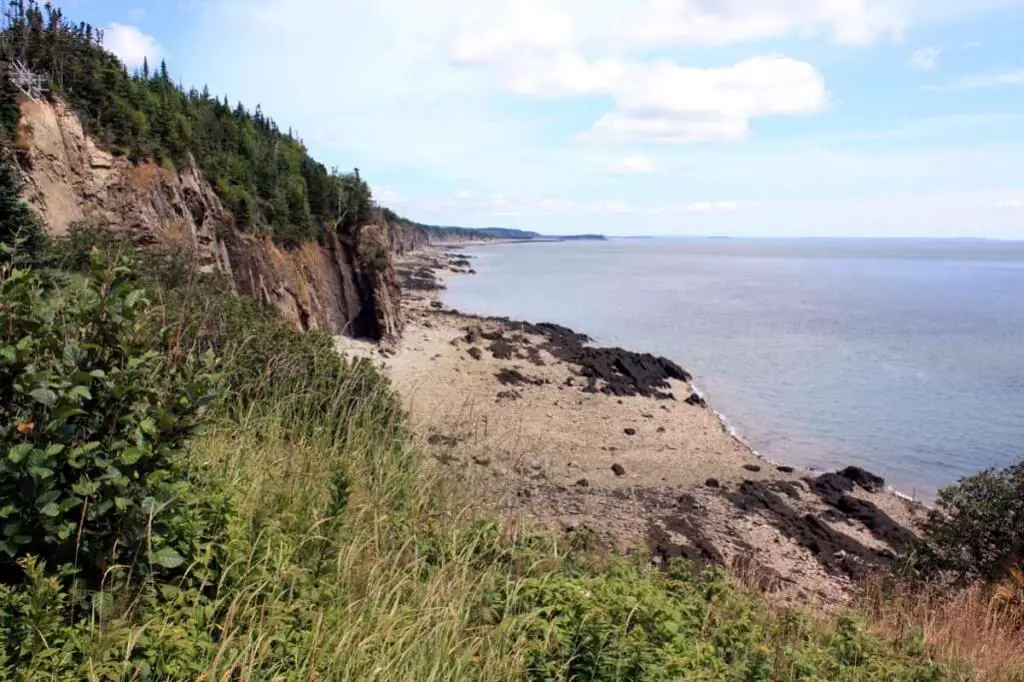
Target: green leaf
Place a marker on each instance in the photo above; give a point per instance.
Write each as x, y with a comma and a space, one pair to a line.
130, 456
19, 452
8, 354
54, 449
132, 299
44, 396
80, 392
40, 473
50, 510
65, 412
168, 558
169, 592
103, 602
87, 448
148, 427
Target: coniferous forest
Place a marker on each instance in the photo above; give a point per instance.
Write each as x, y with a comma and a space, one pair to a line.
265, 176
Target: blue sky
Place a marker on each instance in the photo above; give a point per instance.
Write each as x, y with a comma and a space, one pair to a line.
727, 117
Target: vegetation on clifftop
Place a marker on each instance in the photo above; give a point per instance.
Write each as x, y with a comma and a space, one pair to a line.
264, 175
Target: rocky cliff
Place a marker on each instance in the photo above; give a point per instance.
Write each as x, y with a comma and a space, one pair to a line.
407, 236
346, 285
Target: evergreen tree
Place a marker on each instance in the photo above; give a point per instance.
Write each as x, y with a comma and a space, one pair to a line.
265, 176
18, 225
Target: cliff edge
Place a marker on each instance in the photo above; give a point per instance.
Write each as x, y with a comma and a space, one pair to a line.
345, 284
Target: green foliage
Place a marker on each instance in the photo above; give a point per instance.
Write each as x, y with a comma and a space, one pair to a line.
17, 223
266, 177
93, 424
325, 549
627, 622
10, 115
976, 530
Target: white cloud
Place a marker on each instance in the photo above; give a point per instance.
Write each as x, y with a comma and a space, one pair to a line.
926, 58
721, 22
634, 165
628, 127
463, 195
711, 207
664, 101
536, 50
694, 207
1010, 203
385, 195
606, 206
526, 25
998, 80
131, 45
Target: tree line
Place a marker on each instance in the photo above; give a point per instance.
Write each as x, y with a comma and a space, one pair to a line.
264, 175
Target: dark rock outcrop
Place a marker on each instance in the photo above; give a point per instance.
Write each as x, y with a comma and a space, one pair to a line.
513, 377
836, 551
696, 400
612, 371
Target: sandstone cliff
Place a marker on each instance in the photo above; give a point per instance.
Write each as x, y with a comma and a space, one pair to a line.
346, 285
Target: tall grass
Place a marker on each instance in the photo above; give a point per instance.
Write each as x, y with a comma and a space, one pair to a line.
390, 571
978, 631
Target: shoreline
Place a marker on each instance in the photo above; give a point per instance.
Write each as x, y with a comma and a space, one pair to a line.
550, 430
727, 426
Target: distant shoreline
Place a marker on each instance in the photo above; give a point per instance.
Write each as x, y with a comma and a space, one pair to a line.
536, 240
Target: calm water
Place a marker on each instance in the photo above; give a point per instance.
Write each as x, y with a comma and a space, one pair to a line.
906, 357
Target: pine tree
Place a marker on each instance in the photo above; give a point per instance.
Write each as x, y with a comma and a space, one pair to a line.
145, 68
18, 226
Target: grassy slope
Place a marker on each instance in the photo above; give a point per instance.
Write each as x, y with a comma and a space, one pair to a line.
348, 558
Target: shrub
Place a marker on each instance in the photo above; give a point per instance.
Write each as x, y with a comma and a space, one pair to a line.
976, 530
262, 357
93, 424
627, 622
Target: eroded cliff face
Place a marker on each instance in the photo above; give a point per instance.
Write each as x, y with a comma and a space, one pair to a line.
406, 237
344, 286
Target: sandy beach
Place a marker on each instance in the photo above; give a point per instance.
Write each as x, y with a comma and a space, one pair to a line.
555, 433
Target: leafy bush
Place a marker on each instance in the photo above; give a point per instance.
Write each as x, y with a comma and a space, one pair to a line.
976, 530
628, 623
261, 356
93, 424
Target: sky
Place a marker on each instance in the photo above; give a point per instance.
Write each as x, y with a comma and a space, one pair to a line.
630, 117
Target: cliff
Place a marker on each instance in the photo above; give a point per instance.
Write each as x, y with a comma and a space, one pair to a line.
344, 285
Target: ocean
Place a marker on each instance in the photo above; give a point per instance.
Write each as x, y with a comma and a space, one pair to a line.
905, 357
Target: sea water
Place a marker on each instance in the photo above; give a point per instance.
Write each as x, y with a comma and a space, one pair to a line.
905, 357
